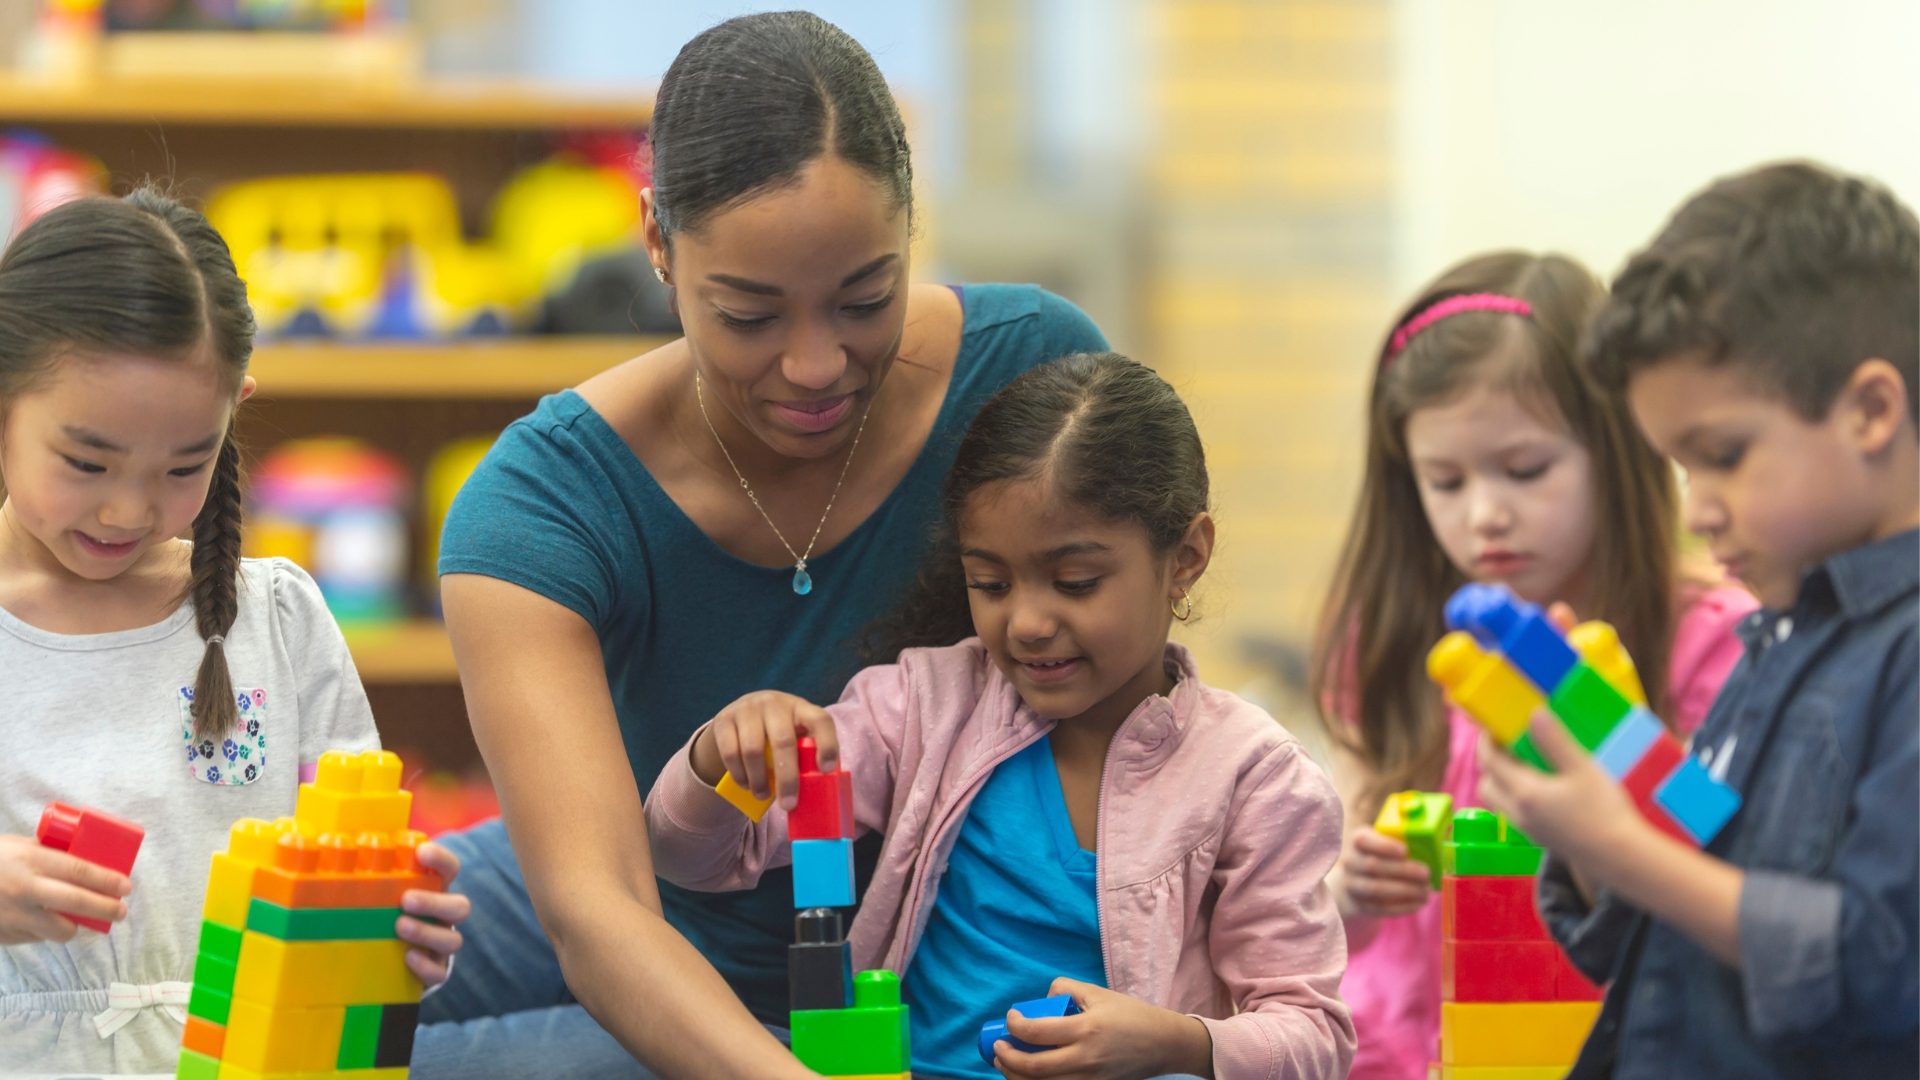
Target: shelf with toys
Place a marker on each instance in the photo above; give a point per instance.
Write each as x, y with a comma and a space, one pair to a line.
505, 369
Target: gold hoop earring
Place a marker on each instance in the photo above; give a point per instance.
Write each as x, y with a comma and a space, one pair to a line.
1183, 608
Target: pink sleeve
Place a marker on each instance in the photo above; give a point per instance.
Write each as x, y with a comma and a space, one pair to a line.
700, 841
1276, 939
1705, 651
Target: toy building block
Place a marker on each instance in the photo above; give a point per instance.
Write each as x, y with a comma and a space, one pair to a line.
1588, 706
1500, 1072
824, 810
300, 970
93, 835
1628, 743
742, 797
1514, 1033
1599, 645
994, 1030
822, 873
1696, 801
1484, 685
1420, 820
870, 1037
1646, 776
819, 962
1489, 909
1498, 970
1499, 620
1569, 984
1484, 844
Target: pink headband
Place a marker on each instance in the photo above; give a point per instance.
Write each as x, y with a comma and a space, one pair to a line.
1452, 305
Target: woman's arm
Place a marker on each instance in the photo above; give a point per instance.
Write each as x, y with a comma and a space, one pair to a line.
581, 839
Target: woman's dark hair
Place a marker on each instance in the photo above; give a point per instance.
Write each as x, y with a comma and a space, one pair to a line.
1110, 435
751, 102
142, 275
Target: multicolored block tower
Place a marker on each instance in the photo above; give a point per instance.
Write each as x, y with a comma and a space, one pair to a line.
300, 974
1512, 1006
843, 1025
1504, 660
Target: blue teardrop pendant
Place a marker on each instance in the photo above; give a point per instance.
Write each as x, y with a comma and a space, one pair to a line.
802, 584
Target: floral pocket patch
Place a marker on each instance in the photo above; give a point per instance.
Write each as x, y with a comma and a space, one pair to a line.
241, 757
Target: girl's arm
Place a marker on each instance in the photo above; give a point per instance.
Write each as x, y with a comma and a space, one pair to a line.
701, 841
587, 867
1276, 938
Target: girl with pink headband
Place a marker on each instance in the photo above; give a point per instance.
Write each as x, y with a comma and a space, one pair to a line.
1489, 458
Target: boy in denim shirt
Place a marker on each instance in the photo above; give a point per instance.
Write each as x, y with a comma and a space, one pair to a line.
1766, 340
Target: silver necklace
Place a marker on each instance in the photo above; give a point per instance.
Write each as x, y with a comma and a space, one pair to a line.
802, 582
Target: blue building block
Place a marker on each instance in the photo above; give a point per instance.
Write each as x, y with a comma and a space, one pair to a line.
822, 873
1500, 620
1629, 740
1696, 801
994, 1030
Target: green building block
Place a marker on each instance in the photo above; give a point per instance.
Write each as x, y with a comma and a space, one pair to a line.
214, 972
322, 924
1524, 749
1484, 845
209, 1004
870, 1037
359, 1037
1588, 705
220, 941
197, 1066
1420, 820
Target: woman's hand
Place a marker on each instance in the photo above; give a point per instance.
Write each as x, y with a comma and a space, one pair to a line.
36, 883
1113, 1037
758, 733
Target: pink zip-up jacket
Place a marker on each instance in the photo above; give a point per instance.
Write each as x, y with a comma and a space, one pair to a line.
1215, 835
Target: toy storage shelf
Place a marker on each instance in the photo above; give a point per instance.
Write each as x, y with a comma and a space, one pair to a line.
490, 106
414, 651
509, 368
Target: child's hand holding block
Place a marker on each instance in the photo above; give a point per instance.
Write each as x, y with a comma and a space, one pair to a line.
93, 835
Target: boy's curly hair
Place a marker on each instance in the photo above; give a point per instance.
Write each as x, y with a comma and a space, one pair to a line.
1791, 272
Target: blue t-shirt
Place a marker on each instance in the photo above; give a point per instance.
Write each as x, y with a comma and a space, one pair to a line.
560, 506
1016, 908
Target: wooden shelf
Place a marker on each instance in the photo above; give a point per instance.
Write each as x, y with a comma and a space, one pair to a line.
415, 651
487, 106
508, 368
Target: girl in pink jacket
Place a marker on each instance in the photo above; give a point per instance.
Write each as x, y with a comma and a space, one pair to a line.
1066, 808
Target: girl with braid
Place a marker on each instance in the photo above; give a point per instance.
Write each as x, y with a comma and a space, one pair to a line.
168, 682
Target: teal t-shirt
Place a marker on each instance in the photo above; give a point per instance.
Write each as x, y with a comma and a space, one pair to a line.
1016, 908
560, 506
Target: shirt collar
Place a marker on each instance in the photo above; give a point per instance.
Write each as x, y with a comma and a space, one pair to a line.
1857, 583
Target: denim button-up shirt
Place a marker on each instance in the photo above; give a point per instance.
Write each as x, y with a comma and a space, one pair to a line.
1818, 728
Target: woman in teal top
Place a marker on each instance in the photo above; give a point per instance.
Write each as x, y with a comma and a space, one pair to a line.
720, 515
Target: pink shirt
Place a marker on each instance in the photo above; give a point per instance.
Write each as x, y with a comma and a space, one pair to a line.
1393, 967
1216, 832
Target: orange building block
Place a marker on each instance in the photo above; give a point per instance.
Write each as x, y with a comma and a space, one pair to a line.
204, 1036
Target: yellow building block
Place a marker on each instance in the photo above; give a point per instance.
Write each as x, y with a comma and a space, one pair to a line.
1599, 645
1498, 1072
1489, 688
741, 796
1514, 1033
276, 1039
350, 813
292, 974
229, 890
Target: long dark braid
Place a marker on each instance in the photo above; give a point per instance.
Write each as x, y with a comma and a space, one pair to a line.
214, 590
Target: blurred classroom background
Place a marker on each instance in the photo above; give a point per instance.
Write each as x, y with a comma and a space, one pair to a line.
433, 203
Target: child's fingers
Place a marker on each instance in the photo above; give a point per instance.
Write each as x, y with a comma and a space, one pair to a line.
444, 940
1387, 897
1019, 1063
60, 866
1555, 743
818, 723
1379, 845
1561, 615
60, 896
33, 923
430, 969
439, 859
448, 909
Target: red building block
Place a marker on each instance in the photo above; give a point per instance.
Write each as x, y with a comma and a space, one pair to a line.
825, 809
1644, 778
93, 835
1569, 984
1489, 909
1498, 970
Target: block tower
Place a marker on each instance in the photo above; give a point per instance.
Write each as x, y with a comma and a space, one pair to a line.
300, 975
1504, 660
1512, 1006
847, 1026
